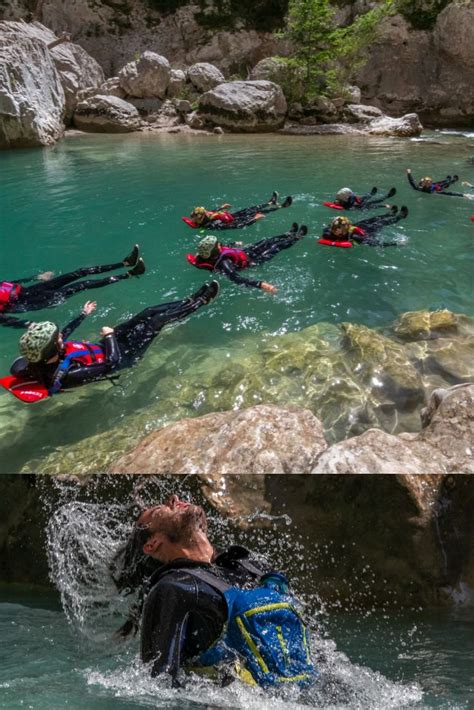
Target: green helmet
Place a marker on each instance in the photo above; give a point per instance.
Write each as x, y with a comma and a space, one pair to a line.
206, 246
38, 342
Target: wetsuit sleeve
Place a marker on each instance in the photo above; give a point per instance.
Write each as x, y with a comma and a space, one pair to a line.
226, 267
451, 194
24, 280
112, 350
412, 181
164, 622
71, 327
11, 322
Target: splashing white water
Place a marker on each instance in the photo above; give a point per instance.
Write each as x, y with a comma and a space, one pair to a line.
83, 539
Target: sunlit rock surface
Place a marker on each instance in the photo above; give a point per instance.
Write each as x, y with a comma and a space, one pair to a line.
247, 106
262, 439
106, 114
32, 100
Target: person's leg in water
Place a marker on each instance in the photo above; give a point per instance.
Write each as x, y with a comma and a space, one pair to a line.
56, 290
266, 249
271, 206
135, 335
370, 203
373, 224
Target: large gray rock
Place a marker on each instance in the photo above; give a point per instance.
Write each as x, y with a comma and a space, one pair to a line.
106, 114
446, 445
405, 127
261, 439
204, 76
246, 106
176, 84
32, 100
358, 113
76, 68
147, 77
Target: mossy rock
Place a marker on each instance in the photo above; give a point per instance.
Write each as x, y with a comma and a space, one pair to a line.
424, 325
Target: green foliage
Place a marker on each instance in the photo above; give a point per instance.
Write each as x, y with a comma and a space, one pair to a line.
328, 55
421, 14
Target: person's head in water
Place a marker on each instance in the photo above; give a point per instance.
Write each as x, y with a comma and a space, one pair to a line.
208, 248
344, 196
199, 215
175, 529
42, 342
425, 183
340, 227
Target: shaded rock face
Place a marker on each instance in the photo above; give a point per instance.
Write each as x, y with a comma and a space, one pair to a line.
77, 69
32, 100
204, 76
106, 114
381, 539
247, 106
446, 445
176, 83
261, 439
149, 76
427, 72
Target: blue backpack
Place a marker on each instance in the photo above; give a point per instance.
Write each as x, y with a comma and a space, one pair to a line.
264, 633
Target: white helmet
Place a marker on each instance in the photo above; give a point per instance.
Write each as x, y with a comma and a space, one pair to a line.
344, 194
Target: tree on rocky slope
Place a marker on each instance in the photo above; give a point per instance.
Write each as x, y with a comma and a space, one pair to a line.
326, 55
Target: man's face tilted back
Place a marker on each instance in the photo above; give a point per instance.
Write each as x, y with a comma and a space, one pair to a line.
176, 529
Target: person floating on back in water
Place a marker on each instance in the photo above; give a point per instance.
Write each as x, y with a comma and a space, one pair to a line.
51, 363
15, 298
427, 184
219, 219
203, 604
230, 259
342, 232
346, 199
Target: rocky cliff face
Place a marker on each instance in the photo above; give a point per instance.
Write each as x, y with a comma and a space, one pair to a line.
428, 71
365, 540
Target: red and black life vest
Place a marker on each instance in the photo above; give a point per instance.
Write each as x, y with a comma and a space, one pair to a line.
29, 390
238, 257
343, 243
9, 293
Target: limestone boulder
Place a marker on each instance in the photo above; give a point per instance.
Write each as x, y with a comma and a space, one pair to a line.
358, 113
383, 364
404, 127
244, 106
106, 114
76, 68
32, 99
204, 76
261, 439
425, 325
446, 445
148, 76
176, 84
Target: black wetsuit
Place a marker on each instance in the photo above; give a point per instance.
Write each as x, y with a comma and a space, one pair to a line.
258, 253
371, 226
242, 218
364, 202
437, 187
44, 294
122, 348
183, 615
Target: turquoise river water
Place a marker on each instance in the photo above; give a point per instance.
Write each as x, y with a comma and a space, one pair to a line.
372, 660
87, 200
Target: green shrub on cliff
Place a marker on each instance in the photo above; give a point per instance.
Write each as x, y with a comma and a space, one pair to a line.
328, 55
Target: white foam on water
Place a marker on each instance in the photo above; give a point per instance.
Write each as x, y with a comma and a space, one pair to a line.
82, 541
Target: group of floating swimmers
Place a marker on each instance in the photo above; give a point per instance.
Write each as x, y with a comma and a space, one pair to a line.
50, 362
